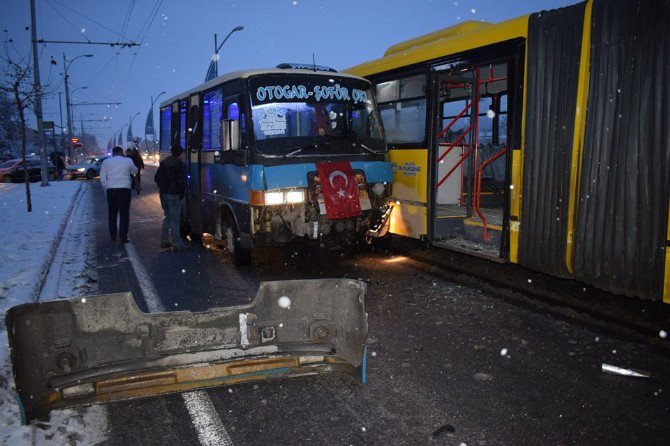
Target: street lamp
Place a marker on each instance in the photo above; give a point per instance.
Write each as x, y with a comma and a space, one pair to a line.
217, 48
151, 114
66, 65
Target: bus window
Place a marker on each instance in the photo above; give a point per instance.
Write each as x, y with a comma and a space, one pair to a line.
412, 87
404, 122
486, 116
212, 115
166, 122
502, 120
182, 124
231, 109
402, 107
387, 91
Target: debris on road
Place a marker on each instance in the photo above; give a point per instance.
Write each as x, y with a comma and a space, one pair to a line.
614, 370
103, 348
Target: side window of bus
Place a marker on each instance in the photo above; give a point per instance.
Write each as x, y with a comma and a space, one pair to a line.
183, 128
212, 113
232, 112
166, 124
402, 106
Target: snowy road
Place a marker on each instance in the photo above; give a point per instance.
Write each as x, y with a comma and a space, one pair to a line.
447, 364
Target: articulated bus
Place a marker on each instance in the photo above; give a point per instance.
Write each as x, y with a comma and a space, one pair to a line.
281, 155
543, 141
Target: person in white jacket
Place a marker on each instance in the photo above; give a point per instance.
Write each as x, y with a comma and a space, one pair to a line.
115, 176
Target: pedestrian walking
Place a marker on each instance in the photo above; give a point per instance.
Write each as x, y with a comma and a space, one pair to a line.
139, 163
171, 180
115, 176
60, 167
59, 164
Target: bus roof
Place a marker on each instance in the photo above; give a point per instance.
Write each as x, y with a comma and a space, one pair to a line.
252, 72
452, 40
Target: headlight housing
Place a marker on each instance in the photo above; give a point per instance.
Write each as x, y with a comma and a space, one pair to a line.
280, 196
378, 189
81, 169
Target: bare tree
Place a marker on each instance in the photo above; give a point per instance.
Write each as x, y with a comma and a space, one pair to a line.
17, 81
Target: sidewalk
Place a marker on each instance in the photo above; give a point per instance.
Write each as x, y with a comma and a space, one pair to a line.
44, 256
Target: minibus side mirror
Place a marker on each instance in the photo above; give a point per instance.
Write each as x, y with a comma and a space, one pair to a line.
230, 134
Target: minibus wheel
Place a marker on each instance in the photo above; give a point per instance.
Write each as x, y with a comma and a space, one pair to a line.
239, 254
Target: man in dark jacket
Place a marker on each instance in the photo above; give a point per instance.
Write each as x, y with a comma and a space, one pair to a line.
171, 180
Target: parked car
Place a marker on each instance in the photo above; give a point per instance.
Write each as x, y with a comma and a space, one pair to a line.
88, 168
13, 171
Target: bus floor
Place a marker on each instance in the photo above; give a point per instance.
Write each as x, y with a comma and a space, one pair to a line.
455, 231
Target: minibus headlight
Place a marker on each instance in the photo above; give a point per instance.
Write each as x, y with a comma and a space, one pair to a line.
274, 198
378, 189
295, 196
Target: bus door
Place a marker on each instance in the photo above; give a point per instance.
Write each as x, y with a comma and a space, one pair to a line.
468, 159
193, 148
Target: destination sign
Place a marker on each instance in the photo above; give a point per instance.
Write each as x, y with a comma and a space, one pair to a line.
318, 93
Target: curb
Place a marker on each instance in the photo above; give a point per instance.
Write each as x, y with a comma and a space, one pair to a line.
46, 266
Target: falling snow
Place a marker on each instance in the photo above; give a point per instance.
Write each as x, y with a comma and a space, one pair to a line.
284, 302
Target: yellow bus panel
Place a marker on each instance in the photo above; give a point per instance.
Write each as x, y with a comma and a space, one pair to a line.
409, 220
410, 174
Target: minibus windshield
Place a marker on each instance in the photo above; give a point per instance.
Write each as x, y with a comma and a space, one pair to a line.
314, 115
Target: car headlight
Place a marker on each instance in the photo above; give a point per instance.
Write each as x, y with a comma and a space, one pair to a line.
81, 169
378, 189
284, 197
272, 198
295, 196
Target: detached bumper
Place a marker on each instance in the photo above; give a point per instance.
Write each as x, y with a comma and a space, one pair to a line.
103, 348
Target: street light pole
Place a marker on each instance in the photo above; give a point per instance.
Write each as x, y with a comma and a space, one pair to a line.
217, 48
151, 113
130, 128
68, 101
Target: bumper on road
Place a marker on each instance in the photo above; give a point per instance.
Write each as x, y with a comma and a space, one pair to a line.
103, 348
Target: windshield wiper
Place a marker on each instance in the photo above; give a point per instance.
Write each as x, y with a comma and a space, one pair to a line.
299, 149
363, 146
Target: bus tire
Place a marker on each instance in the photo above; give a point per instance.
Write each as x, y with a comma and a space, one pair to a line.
240, 255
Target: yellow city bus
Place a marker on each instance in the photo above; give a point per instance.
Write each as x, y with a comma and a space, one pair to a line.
542, 140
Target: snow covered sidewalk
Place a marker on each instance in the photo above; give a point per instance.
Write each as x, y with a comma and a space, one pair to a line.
43, 255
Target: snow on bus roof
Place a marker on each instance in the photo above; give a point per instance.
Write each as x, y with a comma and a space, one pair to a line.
243, 74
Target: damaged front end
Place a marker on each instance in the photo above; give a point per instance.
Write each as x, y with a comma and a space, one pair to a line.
103, 348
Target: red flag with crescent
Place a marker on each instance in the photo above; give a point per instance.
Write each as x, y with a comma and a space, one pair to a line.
340, 190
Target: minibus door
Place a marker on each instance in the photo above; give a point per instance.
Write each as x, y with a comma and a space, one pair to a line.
194, 164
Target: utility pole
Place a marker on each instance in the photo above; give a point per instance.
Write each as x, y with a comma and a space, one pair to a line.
38, 98
60, 109
68, 103
68, 111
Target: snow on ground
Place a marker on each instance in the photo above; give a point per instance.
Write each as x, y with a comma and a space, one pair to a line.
45, 256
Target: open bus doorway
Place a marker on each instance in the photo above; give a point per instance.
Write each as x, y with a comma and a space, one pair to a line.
469, 159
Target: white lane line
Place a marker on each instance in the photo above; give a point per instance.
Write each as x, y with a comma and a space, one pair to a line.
206, 421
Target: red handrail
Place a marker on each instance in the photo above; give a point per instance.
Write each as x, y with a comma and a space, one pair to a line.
478, 189
453, 121
454, 144
464, 156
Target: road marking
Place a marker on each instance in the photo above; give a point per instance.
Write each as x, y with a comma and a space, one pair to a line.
206, 421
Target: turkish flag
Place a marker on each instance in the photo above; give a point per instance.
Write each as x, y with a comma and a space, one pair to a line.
340, 190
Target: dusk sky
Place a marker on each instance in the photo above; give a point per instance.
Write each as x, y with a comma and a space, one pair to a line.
177, 42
